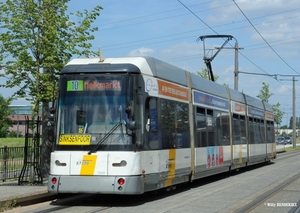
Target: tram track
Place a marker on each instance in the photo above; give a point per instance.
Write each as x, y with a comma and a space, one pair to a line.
90, 203
262, 199
295, 209
287, 155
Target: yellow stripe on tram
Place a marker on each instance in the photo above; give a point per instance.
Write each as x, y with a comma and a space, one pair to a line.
240, 155
88, 165
171, 167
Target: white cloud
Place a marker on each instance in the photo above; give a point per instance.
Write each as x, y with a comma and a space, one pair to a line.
143, 51
283, 89
182, 49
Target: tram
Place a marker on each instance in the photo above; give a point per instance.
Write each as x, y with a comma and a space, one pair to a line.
137, 124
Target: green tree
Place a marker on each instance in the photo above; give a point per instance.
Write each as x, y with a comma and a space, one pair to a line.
264, 95
38, 38
5, 111
278, 114
204, 74
291, 123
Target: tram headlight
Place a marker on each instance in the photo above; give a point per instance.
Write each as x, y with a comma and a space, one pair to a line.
58, 163
121, 164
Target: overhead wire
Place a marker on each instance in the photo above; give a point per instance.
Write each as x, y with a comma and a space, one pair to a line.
216, 32
188, 32
278, 80
264, 38
266, 73
152, 14
155, 14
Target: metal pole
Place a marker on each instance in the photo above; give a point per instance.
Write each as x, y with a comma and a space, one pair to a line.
236, 63
236, 67
294, 114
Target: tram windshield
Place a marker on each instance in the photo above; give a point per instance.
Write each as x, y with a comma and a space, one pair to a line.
92, 112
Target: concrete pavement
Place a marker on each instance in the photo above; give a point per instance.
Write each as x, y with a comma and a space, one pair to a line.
22, 194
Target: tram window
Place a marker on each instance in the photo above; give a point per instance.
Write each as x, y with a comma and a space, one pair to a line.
236, 129
239, 129
262, 131
243, 129
270, 132
174, 124
225, 129
200, 110
210, 112
210, 128
153, 115
255, 131
210, 137
269, 138
201, 127
218, 135
251, 131
152, 138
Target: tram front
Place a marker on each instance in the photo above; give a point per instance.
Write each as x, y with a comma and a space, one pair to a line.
94, 150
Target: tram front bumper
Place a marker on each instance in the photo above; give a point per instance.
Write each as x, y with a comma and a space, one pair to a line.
96, 184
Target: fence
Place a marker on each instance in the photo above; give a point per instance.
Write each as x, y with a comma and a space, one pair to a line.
13, 161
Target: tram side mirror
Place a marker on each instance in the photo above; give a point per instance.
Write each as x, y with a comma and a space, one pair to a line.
131, 125
51, 116
81, 117
51, 113
129, 109
51, 107
52, 110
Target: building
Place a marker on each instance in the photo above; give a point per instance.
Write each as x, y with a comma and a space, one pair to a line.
19, 115
287, 132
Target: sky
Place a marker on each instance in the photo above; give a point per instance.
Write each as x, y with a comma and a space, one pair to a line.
267, 33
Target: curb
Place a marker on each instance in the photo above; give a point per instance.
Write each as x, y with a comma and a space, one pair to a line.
32, 198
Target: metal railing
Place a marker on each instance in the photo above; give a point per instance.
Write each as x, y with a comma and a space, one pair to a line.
12, 160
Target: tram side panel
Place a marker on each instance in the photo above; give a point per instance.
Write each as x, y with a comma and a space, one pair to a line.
239, 135
212, 136
270, 133
166, 158
257, 143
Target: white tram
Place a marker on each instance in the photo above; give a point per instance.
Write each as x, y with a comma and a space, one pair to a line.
137, 124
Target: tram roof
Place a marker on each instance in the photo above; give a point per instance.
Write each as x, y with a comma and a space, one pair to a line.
145, 65
153, 67
207, 86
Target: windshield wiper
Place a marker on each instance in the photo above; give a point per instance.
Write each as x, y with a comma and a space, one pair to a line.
105, 137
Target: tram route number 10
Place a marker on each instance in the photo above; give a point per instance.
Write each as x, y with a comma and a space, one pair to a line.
75, 85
